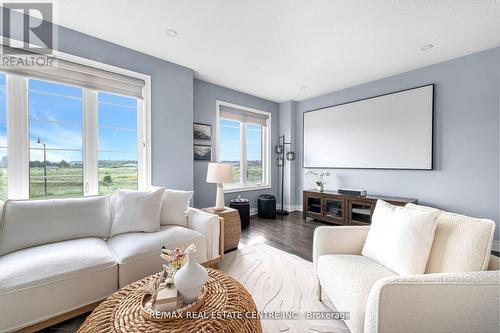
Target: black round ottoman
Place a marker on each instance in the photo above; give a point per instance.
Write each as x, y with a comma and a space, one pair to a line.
267, 206
243, 207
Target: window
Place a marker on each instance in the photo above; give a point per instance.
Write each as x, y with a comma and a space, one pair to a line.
254, 154
243, 140
3, 140
55, 140
74, 130
117, 143
230, 145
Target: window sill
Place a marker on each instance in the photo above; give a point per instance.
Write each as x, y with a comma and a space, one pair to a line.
245, 188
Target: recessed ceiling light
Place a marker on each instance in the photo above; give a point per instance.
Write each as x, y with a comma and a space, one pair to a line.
303, 88
426, 47
171, 33
254, 68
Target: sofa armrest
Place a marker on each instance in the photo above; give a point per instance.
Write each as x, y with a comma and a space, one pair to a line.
494, 264
338, 240
208, 225
445, 302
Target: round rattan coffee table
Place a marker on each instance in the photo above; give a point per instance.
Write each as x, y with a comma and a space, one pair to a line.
121, 312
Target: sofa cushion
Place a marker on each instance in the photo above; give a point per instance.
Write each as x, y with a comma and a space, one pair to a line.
137, 211
461, 244
55, 261
27, 223
139, 253
400, 238
174, 207
347, 281
48, 280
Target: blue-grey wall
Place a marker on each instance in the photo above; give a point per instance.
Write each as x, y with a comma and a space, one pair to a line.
205, 97
466, 138
288, 120
171, 104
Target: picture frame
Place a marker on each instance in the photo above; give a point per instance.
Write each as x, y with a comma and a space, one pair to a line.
202, 131
202, 152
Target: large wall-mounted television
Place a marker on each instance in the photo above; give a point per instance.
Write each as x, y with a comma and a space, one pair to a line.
391, 131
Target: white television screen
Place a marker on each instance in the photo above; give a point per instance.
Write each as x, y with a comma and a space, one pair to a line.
392, 131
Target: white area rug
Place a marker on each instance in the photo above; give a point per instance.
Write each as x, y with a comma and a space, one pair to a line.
282, 282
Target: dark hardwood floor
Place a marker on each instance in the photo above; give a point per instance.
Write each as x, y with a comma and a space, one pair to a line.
288, 233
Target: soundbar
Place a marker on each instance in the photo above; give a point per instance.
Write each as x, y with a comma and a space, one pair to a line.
356, 193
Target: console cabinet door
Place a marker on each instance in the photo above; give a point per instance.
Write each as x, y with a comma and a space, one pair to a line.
334, 210
360, 212
313, 206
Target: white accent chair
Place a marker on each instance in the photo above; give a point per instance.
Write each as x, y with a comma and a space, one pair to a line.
56, 258
447, 298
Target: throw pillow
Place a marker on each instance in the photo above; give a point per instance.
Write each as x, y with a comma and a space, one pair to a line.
137, 211
400, 238
174, 207
461, 243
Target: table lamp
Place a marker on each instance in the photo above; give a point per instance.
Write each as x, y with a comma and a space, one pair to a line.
219, 173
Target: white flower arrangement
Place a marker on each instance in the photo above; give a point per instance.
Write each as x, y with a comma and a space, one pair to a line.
321, 177
175, 260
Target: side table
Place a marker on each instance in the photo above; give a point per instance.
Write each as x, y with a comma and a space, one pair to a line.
232, 226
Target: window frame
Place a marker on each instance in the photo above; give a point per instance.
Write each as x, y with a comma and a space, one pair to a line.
266, 150
18, 130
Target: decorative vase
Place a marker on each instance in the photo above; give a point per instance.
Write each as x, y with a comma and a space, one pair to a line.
320, 188
190, 279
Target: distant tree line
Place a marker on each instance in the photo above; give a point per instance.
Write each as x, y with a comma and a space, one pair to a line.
40, 164
249, 163
116, 163
78, 164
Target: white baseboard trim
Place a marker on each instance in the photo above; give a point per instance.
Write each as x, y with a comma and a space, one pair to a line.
293, 208
496, 246
290, 208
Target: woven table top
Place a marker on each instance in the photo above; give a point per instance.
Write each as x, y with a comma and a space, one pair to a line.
221, 213
121, 312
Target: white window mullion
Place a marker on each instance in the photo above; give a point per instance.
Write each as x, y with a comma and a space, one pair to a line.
90, 143
264, 158
267, 147
17, 137
243, 145
142, 148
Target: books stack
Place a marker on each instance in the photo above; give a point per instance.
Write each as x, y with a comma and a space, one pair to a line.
166, 300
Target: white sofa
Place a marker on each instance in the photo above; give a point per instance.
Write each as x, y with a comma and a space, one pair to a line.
56, 256
444, 299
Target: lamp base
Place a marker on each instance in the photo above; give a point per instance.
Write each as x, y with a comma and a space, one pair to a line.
282, 212
219, 202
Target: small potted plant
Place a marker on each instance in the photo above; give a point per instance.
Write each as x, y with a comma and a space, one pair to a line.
321, 178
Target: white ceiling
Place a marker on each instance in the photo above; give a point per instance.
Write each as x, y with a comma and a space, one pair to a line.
323, 45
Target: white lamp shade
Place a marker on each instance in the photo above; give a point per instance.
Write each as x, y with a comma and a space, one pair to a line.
220, 173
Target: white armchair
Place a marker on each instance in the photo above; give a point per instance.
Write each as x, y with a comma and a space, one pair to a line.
379, 300
445, 302
338, 240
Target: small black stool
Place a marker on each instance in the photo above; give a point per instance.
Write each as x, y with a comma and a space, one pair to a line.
243, 207
267, 206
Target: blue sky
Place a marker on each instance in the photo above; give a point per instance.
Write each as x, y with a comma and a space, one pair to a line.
230, 141
3, 118
56, 116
